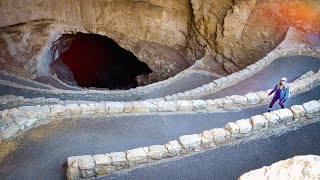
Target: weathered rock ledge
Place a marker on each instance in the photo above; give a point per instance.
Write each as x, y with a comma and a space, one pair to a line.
298, 167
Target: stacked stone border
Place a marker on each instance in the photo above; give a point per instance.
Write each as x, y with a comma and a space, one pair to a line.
75, 88
283, 49
28, 81
18, 120
15, 100
78, 92
12, 100
91, 166
204, 90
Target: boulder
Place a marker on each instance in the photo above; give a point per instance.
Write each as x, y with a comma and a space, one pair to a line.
298, 167
190, 142
167, 106
253, 98
219, 135
298, 111
184, 105
174, 148
232, 127
114, 107
137, 156
199, 104
119, 159
206, 139
258, 122
157, 152
143, 107
244, 126
285, 115
312, 108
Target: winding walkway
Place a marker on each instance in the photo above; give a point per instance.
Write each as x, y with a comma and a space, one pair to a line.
45, 149
189, 81
230, 162
291, 67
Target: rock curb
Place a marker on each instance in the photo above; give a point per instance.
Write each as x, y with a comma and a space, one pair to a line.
45, 113
88, 166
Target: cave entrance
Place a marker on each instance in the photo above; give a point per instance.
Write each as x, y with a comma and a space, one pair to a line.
98, 61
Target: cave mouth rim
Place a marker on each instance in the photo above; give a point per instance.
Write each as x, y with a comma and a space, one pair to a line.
67, 40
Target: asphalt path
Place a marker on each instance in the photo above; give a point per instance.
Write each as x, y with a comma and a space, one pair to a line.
41, 151
291, 67
190, 81
230, 162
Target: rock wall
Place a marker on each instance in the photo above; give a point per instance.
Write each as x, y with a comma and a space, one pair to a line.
157, 32
168, 35
239, 32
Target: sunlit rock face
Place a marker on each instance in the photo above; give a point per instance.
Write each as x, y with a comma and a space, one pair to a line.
169, 36
297, 167
240, 32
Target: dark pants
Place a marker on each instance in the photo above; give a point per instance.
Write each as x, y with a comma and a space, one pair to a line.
281, 103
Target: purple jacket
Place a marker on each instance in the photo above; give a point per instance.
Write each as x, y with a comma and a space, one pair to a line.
284, 94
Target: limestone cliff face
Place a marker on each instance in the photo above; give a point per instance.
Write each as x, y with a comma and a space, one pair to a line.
239, 32
168, 35
157, 32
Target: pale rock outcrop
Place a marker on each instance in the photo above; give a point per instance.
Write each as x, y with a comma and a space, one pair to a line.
298, 167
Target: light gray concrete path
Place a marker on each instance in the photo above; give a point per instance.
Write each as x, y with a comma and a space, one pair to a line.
41, 152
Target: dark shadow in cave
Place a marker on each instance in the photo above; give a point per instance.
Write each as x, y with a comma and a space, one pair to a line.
98, 61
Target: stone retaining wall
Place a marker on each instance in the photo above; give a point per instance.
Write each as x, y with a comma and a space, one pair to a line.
27, 81
17, 120
90, 166
103, 93
16, 100
12, 99
288, 47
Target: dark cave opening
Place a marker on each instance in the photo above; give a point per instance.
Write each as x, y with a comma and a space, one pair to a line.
98, 61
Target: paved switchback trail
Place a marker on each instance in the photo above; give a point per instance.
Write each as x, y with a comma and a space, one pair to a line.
41, 151
291, 67
45, 149
230, 162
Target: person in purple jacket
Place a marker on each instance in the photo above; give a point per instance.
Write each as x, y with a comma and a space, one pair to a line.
282, 91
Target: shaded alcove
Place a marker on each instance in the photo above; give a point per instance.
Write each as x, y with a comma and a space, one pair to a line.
97, 61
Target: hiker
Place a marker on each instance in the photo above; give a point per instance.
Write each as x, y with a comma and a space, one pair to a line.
282, 93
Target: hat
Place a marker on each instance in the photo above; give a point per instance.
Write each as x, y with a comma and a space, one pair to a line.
284, 79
